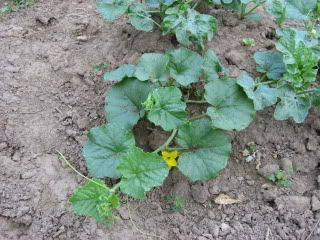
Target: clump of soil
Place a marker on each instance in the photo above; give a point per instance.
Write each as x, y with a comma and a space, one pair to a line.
50, 97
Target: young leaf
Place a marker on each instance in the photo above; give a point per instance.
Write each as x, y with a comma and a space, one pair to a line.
189, 25
165, 108
231, 108
210, 150
94, 199
212, 67
185, 66
270, 63
140, 172
277, 8
124, 102
124, 71
104, 149
262, 97
153, 66
292, 105
112, 9
140, 18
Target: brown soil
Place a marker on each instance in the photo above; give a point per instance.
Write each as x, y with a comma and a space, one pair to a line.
50, 96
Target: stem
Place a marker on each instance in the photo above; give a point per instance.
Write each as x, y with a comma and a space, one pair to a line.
306, 91
196, 4
79, 173
252, 9
198, 117
264, 83
195, 101
115, 187
166, 144
176, 148
242, 10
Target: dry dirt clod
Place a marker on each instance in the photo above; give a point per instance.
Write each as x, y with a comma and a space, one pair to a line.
200, 192
312, 144
268, 170
315, 203
295, 204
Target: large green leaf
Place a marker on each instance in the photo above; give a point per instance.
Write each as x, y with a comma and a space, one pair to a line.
124, 102
140, 18
292, 106
124, 71
112, 9
165, 108
153, 66
262, 96
210, 150
94, 199
104, 149
231, 108
189, 25
212, 67
270, 63
185, 66
141, 171
292, 9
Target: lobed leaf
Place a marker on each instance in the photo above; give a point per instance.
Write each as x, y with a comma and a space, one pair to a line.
140, 172
112, 9
292, 106
210, 150
124, 102
122, 72
104, 149
165, 108
140, 18
153, 66
94, 199
270, 63
185, 66
212, 67
231, 108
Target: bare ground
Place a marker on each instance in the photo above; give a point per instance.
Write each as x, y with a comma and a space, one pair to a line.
50, 96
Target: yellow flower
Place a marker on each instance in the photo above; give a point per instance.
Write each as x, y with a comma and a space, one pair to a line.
170, 158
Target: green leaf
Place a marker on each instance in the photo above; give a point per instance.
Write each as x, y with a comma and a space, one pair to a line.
298, 10
104, 149
315, 97
141, 171
140, 18
94, 199
153, 66
212, 67
210, 150
270, 63
189, 25
124, 71
185, 66
165, 108
263, 96
124, 102
292, 106
112, 9
231, 108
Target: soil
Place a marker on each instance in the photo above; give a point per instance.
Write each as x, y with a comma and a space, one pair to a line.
50, 96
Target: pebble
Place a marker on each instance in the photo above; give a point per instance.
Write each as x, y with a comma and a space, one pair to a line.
286, 164
4, 145
225, 229
296, 204
315, 203
124, 214
268, 170
82, 38
200, 192
312, 144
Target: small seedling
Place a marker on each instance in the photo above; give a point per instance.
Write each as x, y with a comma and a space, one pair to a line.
249, 42
14, 5
282, 178
100, 67
177, 203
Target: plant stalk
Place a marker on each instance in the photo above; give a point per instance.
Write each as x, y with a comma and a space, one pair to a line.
198, 117
195, 101
167, 143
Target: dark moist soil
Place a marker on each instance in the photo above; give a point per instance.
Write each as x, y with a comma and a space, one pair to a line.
50, 96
